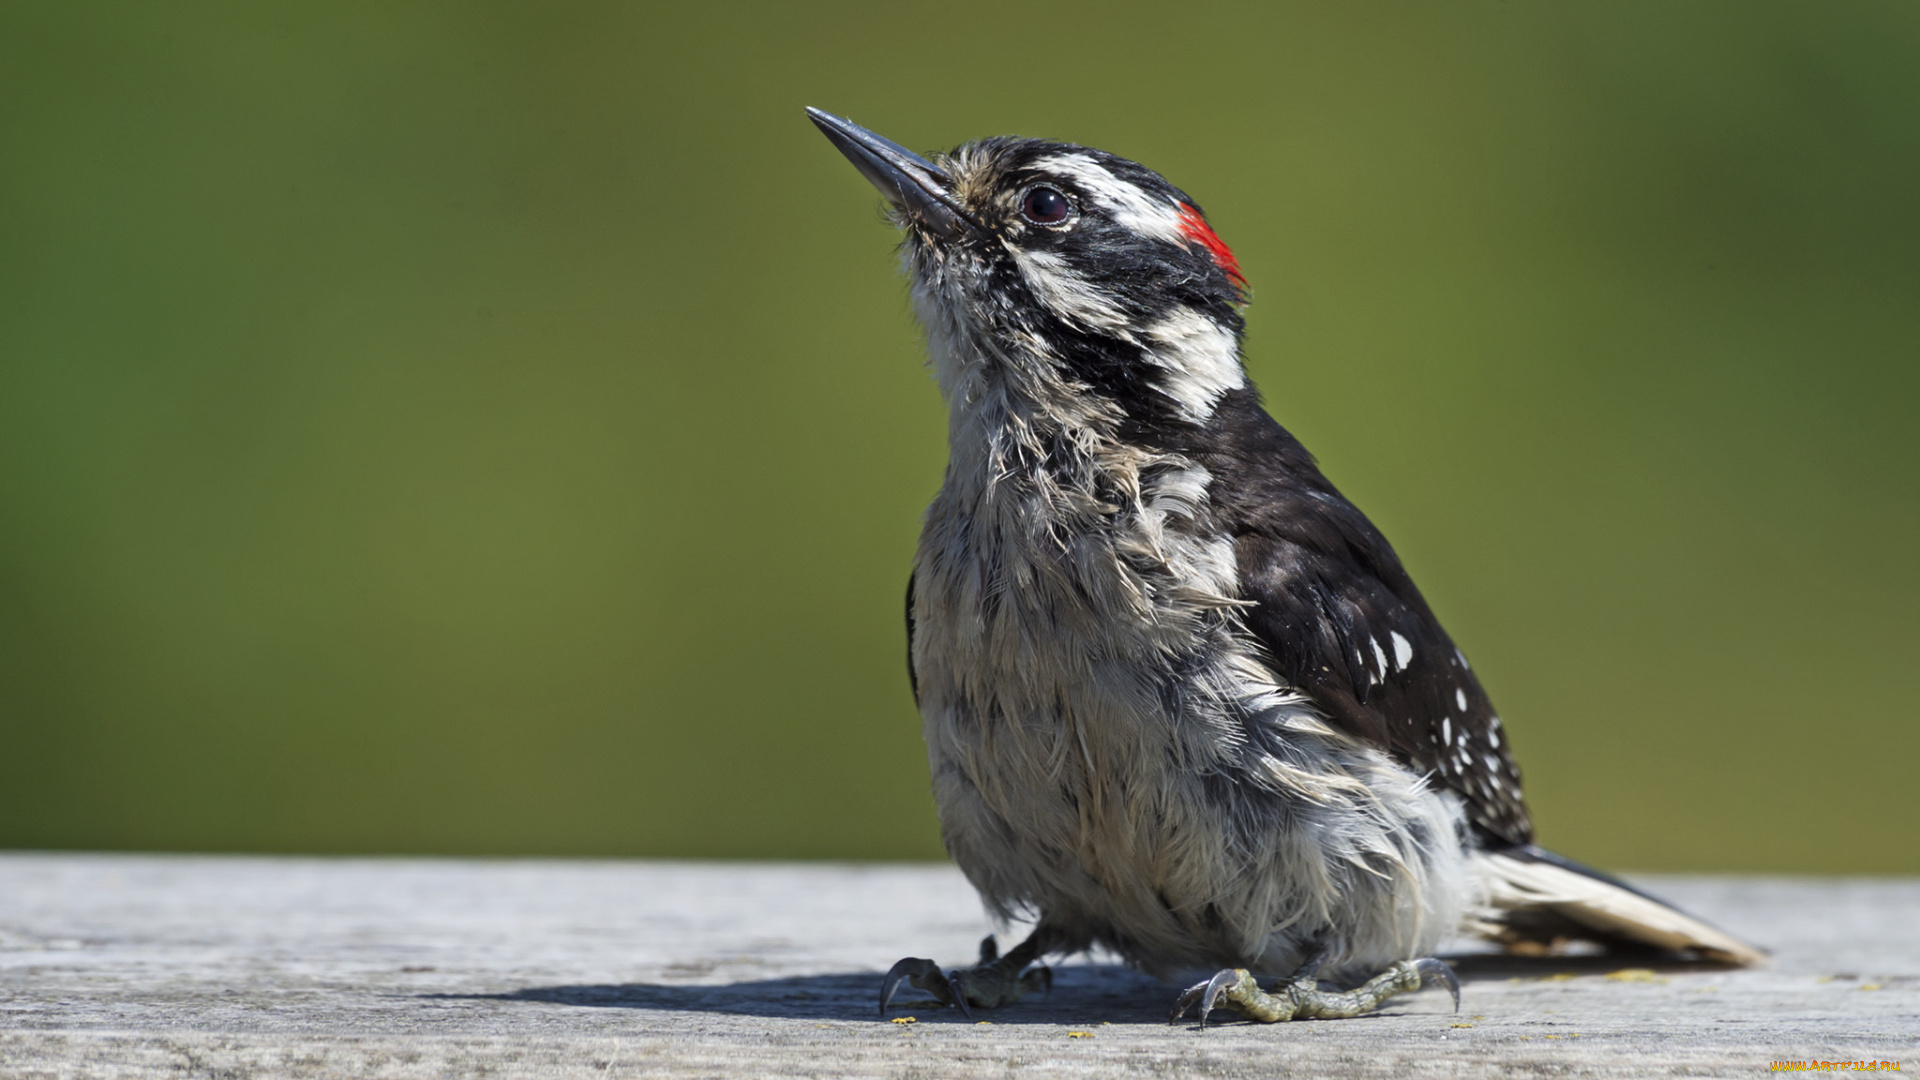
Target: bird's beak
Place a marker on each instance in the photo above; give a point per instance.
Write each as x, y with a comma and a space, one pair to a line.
917, 187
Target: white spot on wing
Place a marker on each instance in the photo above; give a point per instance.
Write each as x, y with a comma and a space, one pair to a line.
1446, 731
1460, 698
1402, 652
1379, 656
1200, 357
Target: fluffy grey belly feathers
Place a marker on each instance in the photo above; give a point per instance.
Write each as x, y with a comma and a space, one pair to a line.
1112, 753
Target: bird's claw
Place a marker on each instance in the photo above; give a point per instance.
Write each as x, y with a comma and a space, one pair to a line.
1432, 967
1207, 994
994, 981
924, 974
1301, 998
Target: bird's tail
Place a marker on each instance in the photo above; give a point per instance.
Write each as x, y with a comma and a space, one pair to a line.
1534, 897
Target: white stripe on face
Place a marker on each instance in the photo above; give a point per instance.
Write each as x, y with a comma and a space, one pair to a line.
1126, 204
1202, 361
1070, 296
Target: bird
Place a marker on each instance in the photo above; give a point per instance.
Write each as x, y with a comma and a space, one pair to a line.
1181, 699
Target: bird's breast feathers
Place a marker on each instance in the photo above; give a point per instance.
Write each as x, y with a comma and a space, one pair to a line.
1107, 740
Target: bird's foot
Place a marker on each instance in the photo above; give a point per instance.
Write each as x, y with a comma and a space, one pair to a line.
995, 981
1301, 997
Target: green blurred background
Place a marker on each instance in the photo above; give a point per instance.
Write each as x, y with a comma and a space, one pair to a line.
482, 428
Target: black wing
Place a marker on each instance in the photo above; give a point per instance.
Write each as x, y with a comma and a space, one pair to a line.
1344, 623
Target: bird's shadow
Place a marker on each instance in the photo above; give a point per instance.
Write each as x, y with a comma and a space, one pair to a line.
1083, 993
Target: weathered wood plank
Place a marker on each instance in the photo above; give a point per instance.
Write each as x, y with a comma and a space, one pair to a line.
146, 966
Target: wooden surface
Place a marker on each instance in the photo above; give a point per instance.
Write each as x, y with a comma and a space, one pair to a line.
130, 965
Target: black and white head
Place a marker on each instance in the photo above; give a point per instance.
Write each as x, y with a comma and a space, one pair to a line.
1066, 278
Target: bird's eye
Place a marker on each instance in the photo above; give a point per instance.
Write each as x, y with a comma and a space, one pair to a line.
1045, 206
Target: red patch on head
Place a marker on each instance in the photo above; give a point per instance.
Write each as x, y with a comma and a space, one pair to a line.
1195, 227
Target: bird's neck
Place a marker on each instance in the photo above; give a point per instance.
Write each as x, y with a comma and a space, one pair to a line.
1015, 419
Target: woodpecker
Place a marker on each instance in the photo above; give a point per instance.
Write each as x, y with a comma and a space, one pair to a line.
1180, 698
